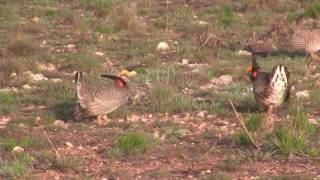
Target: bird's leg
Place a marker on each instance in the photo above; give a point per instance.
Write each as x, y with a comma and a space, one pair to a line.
98, 120
105, 119
268, 120
314, 56
269, 109
102, 120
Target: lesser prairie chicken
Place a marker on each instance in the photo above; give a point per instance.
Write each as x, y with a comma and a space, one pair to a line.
306, 39
100, 100
270, 89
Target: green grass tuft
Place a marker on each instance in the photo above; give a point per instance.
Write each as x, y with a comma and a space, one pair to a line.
241, 138
313, 11
9, 144
227, 16
17, 167
295, 137
160, 23
68, 163
254, 122
7, 103
163, 99
130, 144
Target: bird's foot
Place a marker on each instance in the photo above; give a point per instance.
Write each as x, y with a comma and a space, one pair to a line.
314, 56
102, 120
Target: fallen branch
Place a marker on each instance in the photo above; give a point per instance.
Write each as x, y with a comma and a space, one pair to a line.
210, 150
55, 150
243, 125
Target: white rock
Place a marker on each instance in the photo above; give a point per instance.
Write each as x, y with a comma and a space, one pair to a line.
60, 123
36, 19
163, 46
201, 114
71, 46
99, 53
184, 61
26, 87
134, 118
17, 149
13, 75
244, 53
303, 94
47, 67
201, 22
56, 80
314, 121
223, 80
4, 120
69, 144
36, 77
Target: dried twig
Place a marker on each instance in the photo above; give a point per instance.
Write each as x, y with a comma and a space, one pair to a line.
210, 150
243, 125
150, 1
167, 9
55, 150
206, 41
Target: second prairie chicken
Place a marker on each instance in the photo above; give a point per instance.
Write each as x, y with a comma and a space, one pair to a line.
270, 89
308, 40
100, 100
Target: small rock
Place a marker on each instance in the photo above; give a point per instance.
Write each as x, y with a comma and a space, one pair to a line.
201, 114
13, 75
202, 22
47, 67
36, 19
26, 87
206, 86
56, 80
99, 53
223, 80
36, 77
156, 134
17, 149
60, 123
69, 144
314, 121
184, 61
4, 120
303, 94
71, 46
163, 46
134, 118
244, 53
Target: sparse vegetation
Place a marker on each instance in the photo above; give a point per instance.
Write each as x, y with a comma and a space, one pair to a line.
7, 103
130, 144
295, 137
67, 163
16, 167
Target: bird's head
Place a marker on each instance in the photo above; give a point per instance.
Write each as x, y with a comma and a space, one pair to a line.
253, 70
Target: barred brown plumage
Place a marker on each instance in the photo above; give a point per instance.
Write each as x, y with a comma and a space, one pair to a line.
270, 89
306, 39
97, 101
